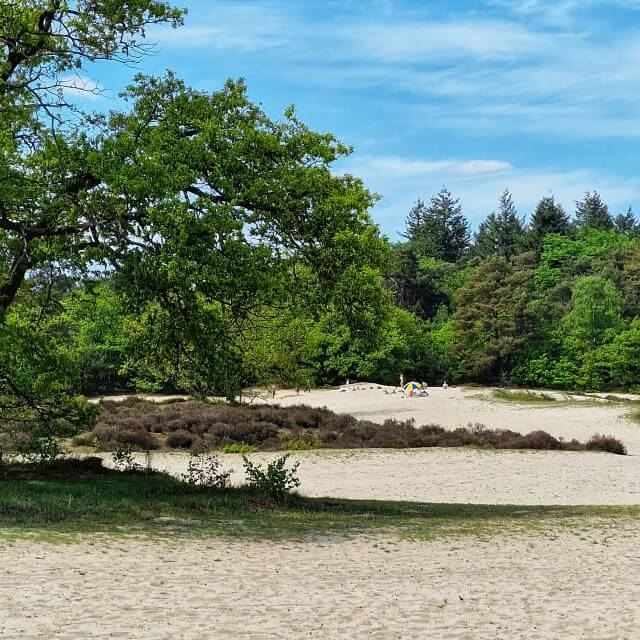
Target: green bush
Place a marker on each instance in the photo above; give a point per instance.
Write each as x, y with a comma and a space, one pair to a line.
296, 445
276, 481
239, 447
206, 471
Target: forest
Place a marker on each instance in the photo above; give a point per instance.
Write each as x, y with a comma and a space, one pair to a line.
551, 303
188, 241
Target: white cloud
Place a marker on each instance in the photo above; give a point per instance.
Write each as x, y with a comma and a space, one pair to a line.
241, 28
479, 183
522, 70
392, 168
427, 41
477, 167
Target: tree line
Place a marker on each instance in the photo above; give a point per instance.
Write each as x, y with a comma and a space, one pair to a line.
550, 303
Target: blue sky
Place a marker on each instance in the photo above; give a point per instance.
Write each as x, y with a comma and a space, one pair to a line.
538, 96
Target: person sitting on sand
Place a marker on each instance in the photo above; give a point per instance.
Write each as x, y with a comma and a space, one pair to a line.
445, 385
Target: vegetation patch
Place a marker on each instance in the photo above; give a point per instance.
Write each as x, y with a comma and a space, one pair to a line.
239, 447
72, 497
606, 443
634, 415
199, 427
522, 395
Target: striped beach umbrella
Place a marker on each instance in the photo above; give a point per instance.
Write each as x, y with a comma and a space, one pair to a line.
412, 387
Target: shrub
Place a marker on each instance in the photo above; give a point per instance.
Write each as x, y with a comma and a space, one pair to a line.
276, 481
540, 440
206, 471
244, 429
522, 395
139, 439
239, 447
123, 459
606, 443
296, 445
180, 439
86, 439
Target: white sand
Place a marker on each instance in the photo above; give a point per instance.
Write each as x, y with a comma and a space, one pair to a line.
522, 587
454, 475
451, 408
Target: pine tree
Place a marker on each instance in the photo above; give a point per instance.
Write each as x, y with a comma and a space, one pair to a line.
502, 233
549, 217
415, 220
439, 230
592, 212
626, 223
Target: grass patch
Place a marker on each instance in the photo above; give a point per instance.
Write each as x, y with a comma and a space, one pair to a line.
70, 498
634, 416
522, 395
239, 447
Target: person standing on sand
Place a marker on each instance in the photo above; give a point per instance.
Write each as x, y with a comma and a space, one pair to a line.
402, 380
273, 391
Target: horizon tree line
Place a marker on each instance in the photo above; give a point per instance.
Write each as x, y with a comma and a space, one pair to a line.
438, 229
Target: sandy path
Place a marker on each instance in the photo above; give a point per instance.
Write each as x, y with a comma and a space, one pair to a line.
534, 587
454, 475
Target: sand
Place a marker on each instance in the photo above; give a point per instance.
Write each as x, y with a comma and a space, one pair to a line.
570, 416
581, 583
530, 587
453, 475
464, 475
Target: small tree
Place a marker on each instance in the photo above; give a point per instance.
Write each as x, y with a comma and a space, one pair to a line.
596, 307
276, 481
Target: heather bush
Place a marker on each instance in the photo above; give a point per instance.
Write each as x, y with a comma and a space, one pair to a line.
180, 439
202, 427
606, 443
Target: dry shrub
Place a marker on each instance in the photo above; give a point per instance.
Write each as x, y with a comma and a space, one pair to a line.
180, 439
606, 443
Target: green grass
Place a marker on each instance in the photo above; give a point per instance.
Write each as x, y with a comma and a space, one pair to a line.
634, 415
69, 500
239, 447
523, 396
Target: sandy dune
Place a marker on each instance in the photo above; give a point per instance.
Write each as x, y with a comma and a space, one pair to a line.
539, 587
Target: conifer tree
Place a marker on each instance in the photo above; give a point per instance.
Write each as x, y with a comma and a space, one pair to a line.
626, 223
439, 230
502, 233
548, 217
592, 212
